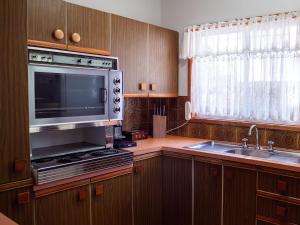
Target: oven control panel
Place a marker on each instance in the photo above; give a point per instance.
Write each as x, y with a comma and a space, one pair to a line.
115, 95
72, 59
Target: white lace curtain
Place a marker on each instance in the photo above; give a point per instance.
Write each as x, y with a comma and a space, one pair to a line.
247, 69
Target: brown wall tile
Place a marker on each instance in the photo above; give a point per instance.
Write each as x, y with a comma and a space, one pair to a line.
282, 139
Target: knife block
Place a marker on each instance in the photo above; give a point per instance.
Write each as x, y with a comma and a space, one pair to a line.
159, 126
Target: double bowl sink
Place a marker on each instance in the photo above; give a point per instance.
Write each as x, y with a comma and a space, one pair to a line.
235, 149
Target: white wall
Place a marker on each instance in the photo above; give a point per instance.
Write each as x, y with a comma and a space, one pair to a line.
177, 14
148, 11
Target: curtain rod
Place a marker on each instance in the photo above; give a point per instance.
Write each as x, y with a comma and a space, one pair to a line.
235, 21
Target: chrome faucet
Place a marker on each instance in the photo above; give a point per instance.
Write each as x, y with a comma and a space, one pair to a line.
257, 147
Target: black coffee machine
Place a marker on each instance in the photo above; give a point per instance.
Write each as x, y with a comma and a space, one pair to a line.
119, 139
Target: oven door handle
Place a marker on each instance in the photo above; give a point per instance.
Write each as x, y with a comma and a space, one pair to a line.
104, 95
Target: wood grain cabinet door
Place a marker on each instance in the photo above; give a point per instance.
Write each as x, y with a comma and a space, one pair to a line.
14, 135
44, 18
239, 196
64, 208
207, 193
112, 201
163, 61
129, 43
17, 205
147, 191
88, 28
177, 191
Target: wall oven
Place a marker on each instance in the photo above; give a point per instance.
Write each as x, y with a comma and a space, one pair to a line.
67, 87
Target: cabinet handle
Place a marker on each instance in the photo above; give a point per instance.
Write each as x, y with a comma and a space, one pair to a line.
142, 86
228, 174
99, 190
23, 198
138, 169
76, 37
20, 165
153, 87
83, 195
282, 187
58, 34
280, 212
214, 172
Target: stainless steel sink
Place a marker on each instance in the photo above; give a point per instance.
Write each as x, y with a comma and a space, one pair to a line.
285, 157
223, 147
253, 153
213, 146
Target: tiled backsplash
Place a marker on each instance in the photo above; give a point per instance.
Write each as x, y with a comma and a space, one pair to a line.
139, 111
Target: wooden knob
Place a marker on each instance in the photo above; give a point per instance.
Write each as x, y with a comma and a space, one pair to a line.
83, 195
20, 165
214, 172
138, 169
58, 34
228, 174
153, 87
23, 198
76, 37
142, 86
280, 212
99, 190
282, 187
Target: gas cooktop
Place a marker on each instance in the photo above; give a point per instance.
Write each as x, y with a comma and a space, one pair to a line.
51, 169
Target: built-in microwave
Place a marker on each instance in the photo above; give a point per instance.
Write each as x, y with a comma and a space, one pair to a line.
67, 87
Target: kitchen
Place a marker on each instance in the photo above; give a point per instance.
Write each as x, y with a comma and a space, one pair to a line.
149, 112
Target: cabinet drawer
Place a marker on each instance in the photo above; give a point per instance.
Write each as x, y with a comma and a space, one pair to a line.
283, 185
279, 212
259, 222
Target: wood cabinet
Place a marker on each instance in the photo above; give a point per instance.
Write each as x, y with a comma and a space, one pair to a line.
112, 201
147, 191
278, 212
14, 135
148, 56
163, 61
239, 196
130, 43
207, 193
17, 205
88, 28
64, 208
177, 191
44, 18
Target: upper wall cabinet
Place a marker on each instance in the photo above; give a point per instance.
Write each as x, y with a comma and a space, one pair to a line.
129, 43
88, 28
47, 21
163, 62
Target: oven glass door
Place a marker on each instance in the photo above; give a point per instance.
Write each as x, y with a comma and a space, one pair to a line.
66, 94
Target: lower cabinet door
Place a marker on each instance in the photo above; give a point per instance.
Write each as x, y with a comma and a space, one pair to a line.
239, 196
112, 201
70, 207
147, 191
207, 193
177, 191
17, 205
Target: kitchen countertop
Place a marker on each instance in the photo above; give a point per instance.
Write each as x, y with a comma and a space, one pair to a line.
177, 144
6, 221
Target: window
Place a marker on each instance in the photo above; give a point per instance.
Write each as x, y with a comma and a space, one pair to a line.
247, 69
